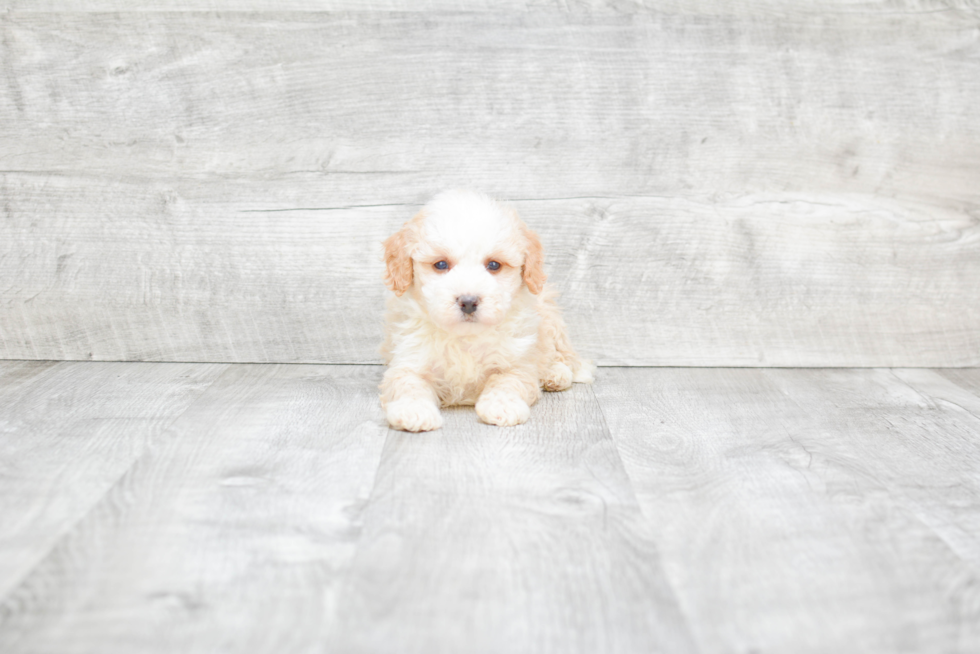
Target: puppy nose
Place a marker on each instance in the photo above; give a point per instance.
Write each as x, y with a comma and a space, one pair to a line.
468, 303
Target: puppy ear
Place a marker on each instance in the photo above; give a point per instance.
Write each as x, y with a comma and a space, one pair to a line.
398, 256
533, 270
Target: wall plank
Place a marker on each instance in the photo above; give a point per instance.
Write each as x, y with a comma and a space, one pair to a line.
179, 271
712, 7
383, 107
734, 188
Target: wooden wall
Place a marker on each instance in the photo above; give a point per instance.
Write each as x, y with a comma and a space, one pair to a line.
717, 183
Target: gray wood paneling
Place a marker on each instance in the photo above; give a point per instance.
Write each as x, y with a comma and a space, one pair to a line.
524, 539
710, 7
377, 107
206, 272
767, 280
186, 271
759, 187
231, 533
783, 501
68, 432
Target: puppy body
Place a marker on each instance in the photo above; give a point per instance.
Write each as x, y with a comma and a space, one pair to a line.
471, 320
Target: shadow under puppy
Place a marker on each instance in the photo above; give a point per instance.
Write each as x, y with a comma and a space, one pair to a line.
471, 320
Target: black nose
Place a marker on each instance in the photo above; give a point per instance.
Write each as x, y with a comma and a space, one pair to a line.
468, 303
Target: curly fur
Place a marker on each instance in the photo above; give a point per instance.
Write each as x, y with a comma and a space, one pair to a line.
498, 358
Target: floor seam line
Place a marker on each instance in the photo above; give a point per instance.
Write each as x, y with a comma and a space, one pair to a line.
115, 483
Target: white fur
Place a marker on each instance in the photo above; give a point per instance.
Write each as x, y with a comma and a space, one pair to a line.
499, 357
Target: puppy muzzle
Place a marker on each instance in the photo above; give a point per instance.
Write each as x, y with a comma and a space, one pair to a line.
468, 304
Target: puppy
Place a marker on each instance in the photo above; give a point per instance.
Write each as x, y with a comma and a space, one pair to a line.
471, 320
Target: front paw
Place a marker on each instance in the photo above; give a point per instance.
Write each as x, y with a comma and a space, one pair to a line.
585, 373
413, 415
558, 377
502, 410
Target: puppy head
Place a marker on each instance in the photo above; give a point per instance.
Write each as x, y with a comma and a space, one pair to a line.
465, 258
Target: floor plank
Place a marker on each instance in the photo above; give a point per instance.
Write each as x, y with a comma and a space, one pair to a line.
228, 535
934, 457
68, 432
967, 378
266, 508
789, 505
525, 539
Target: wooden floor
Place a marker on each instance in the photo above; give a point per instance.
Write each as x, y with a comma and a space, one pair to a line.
164, 507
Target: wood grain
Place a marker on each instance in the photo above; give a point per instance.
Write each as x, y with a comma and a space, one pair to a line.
764, 280
968, 378
524, 539
943, 484
265, 508
68, 432
709, 7
386, 107
804, 510
157, 272
747, 184
230, 534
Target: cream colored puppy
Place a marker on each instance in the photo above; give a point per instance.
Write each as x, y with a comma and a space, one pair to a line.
471, 320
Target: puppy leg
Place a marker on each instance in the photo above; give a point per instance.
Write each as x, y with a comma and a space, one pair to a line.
410, 403
561, 365
557, 377
507, 398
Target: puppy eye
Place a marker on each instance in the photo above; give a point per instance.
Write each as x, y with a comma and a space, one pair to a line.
493, 266
441, 265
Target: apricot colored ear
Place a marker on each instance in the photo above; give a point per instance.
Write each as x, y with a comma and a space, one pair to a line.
533, 271
398, 256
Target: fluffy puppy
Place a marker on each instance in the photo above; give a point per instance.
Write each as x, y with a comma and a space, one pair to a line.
471, 320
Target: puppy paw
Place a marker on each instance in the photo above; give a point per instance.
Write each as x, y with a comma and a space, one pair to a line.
558, 377
585, 373
502, 410
413, 415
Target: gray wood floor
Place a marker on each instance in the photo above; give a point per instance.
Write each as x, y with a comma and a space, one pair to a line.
162, 507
